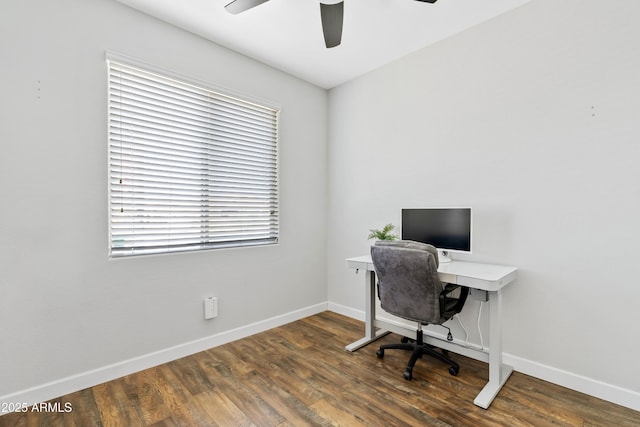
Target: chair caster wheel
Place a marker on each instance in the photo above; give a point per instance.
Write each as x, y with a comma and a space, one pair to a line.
454, 371
407, 374
404, 340
380, 353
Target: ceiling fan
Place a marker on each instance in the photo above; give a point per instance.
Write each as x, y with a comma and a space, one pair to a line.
331, 16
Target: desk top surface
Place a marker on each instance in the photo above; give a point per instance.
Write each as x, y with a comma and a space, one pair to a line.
491, 273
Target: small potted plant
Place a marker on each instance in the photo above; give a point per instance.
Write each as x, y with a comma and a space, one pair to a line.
384, 234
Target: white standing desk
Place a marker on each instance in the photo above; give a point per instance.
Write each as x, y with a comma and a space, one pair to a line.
485, 277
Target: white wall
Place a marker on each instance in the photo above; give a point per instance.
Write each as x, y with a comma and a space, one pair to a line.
65, 308
533, 119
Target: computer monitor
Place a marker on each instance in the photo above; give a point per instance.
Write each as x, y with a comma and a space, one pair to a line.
448, 229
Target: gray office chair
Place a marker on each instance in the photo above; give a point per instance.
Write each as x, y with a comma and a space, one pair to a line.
409, 287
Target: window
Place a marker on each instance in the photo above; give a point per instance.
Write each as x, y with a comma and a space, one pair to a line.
189, 168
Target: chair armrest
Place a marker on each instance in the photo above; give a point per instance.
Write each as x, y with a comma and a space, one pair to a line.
450, 306
448, 290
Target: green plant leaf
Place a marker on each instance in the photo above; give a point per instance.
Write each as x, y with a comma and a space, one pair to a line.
383, 234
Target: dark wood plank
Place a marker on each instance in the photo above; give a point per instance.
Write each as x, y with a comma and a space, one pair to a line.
300, 375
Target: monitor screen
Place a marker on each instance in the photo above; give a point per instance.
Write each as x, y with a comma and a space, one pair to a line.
448, 229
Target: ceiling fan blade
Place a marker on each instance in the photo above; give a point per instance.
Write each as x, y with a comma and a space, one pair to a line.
428, 1
332, 16
237, 6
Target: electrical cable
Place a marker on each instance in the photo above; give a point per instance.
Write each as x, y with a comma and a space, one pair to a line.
466, 334
479, 330
449, 335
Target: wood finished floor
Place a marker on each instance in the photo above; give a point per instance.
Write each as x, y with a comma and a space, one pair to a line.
300, 375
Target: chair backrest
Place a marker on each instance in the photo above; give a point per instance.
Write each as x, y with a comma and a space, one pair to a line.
408, 283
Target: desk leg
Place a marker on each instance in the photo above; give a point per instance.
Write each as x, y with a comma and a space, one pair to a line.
370, 333
498, 373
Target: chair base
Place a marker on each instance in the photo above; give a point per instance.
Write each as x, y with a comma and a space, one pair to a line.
418, 349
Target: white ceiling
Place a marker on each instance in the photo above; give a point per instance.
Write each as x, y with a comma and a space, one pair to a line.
287, 34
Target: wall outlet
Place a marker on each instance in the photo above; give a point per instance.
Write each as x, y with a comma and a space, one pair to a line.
210, 307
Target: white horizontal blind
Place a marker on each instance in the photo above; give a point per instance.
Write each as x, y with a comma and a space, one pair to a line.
189, 168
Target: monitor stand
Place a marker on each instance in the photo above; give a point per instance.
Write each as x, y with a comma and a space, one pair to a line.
443, 257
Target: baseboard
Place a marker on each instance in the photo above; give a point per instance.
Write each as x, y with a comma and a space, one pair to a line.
601, 390
346, 311
44, 392
610, 393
